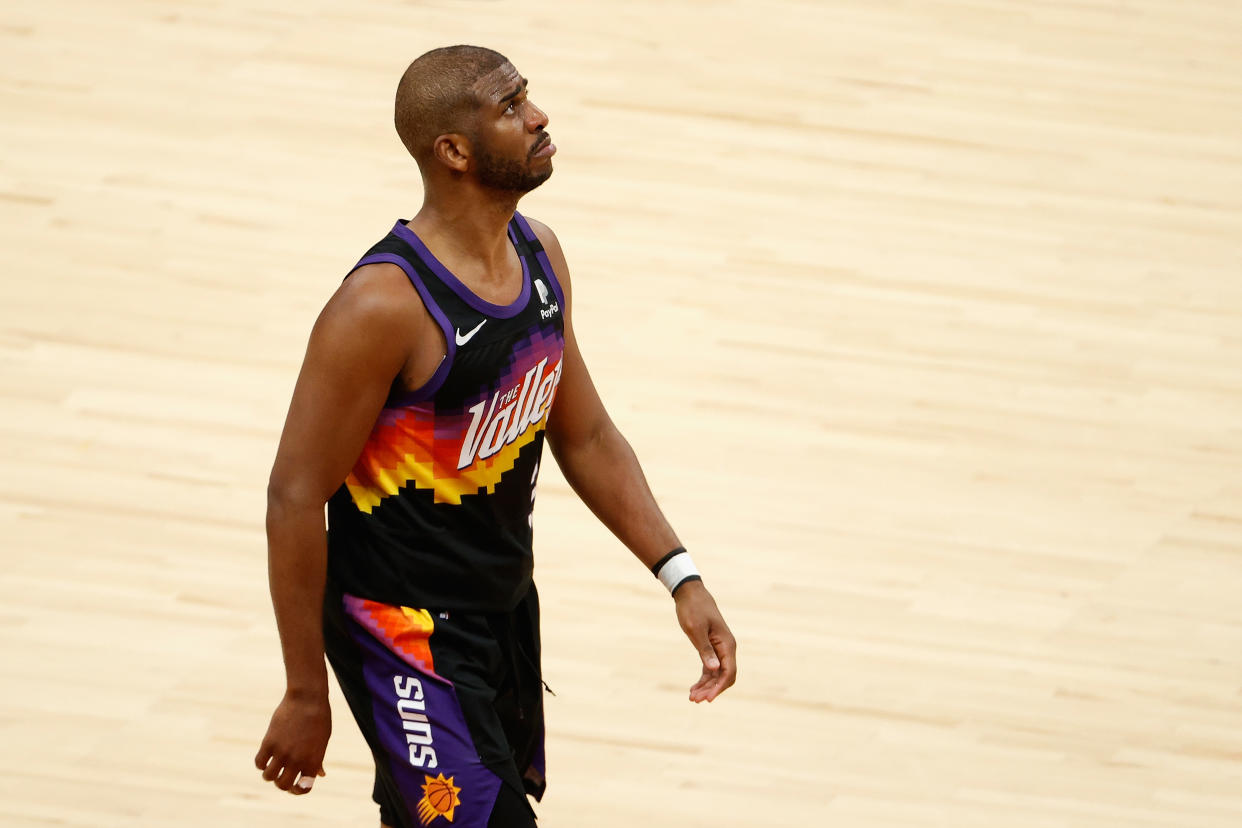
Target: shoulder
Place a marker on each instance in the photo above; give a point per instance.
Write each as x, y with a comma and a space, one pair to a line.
542, 231
375, 299
553, 247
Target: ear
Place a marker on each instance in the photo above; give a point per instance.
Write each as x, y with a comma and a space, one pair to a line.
453, 151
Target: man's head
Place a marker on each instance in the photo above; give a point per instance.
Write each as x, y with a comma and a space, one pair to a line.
463, 110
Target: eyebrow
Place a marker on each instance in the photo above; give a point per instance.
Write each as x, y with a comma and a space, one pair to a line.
517, 91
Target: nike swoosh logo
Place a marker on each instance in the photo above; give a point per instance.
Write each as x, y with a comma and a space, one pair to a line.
462, 339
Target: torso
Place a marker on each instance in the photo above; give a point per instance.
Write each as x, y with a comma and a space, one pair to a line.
437, 509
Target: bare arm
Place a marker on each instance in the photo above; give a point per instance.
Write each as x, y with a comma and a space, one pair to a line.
584, 440
359, 345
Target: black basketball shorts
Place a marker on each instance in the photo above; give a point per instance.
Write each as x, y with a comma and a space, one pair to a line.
449, 702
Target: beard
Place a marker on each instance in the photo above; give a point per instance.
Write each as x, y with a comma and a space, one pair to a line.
509, 175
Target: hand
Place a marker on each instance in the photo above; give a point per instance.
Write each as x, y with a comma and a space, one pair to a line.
706, 628
295, 743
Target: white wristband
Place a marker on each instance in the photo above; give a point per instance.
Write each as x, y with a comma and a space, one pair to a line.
675, 569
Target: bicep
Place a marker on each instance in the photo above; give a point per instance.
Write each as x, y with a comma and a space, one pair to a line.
356, 350
578, 414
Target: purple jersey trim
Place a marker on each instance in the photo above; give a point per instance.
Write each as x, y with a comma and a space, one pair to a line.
432, 385
529, 233
464, 293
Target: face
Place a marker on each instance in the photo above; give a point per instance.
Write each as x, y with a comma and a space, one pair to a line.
512, 151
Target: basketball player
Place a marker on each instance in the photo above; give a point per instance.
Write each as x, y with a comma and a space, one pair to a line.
429, 384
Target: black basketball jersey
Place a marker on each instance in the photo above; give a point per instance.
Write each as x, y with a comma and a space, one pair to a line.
436, 512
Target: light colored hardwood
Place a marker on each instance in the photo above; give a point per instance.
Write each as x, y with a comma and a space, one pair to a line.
926, 319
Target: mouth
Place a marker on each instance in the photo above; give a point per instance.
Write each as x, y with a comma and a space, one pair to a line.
544, 148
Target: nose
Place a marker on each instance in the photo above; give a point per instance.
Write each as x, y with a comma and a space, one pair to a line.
536, 118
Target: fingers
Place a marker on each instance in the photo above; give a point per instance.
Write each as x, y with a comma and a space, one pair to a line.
287, 777
711, 663
273, 768
264, 755
703, 624
306, 781
699, 691
295, 779
727, 648
700, 635
709, 687
720, 672
286, 774
705, 689
728, 669
291, 754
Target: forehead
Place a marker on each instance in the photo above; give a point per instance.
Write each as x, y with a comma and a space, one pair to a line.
497, 83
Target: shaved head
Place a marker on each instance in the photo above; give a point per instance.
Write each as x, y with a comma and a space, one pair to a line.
438, 94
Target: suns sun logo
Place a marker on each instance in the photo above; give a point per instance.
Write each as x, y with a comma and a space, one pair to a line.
439, 799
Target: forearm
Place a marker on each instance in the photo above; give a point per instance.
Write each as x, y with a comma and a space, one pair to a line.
604, 472
297, 571
606, 475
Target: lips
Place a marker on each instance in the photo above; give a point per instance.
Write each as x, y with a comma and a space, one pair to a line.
543, 148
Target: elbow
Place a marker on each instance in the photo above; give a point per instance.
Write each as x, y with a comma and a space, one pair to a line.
286, 498
584, 448
278, 501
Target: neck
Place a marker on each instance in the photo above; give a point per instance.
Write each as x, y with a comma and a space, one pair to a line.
469, 227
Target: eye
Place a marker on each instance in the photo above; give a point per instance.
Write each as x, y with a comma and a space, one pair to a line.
511, 108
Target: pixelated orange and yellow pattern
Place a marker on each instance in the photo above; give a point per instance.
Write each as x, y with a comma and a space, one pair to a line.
404, 630
405, 449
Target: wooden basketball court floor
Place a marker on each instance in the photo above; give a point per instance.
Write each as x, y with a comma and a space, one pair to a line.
925, 318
